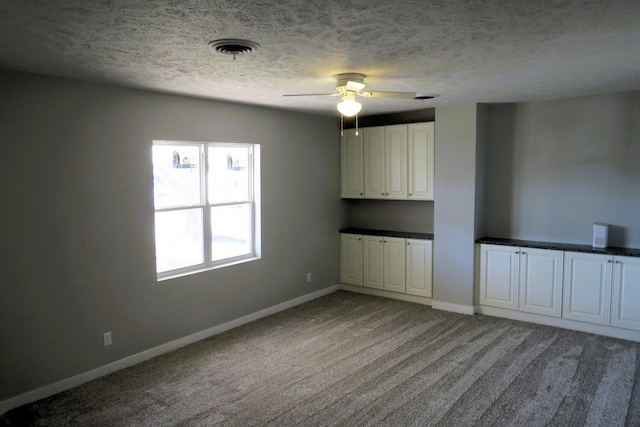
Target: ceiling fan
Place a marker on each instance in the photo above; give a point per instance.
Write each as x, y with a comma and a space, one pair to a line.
350, 85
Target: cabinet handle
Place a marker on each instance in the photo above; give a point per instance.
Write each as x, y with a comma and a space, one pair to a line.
517, 252
523, 253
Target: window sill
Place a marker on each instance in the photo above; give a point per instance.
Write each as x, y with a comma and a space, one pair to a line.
209, 268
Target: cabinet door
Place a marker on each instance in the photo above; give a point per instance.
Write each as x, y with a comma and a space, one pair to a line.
351, 159
541, 281
396, 162
351, 259
394, 264
373, 250
421, 161
587, 287
419, 267
374, 163
625, 309
499, 276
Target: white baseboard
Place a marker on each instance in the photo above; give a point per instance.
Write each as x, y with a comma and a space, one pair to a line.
66, 384
593, 328
455, 308
386, 294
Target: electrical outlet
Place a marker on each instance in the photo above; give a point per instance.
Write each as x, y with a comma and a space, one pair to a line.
308, 277
107, 338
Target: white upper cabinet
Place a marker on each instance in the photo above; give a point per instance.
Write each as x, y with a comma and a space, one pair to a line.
395, 167
351, 158
421, 160
388, 162
399, 162
375, 186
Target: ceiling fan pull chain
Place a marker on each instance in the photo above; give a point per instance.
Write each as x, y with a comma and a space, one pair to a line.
356, 124
341, 125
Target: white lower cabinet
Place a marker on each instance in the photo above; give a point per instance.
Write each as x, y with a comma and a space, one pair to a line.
602, 289
625, 301
384, 263
525, 279
394, 264
351, 259
387, 263
582, 286
541, 281
587, 287
419, 279
373, 261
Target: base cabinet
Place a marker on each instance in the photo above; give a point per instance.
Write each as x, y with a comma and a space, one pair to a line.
351, 259
419, 267
582, 286
587, 288
387, 263
540, 283
525, 279
384, 263
373, 261
625, 299
603, 289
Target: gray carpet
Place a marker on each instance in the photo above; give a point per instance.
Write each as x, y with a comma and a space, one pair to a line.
355, 360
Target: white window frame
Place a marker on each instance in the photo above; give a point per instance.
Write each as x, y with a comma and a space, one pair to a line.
205, 206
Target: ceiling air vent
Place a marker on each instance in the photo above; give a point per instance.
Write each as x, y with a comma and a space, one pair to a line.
233, 46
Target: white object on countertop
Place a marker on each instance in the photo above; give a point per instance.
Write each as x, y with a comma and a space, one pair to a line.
600, 235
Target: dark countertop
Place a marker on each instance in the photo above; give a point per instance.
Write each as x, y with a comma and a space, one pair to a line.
388, 233
560, 246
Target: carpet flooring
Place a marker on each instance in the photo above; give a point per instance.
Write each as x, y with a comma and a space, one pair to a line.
348, 359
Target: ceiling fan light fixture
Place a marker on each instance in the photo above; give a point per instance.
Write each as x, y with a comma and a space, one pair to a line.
348, 106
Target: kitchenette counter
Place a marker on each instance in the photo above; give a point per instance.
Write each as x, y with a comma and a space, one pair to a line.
561, 246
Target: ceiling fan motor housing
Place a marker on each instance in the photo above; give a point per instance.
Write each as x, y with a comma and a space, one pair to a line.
350, 82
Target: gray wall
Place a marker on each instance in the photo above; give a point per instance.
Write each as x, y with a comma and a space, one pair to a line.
77, 229
555, 167
416, 216
455, 200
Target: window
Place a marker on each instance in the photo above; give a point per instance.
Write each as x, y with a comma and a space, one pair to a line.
207, 211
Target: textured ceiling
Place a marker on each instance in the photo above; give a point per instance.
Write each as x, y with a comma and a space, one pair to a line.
463, 50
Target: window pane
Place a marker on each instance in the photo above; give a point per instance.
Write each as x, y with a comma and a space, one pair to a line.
179, 240
231, 228
176, 175
228, 174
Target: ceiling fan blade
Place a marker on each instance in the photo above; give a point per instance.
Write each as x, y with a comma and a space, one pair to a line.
314, 94
377, 94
